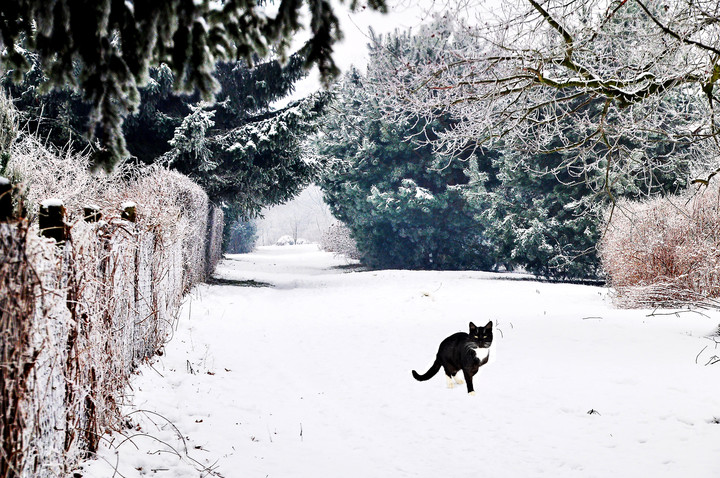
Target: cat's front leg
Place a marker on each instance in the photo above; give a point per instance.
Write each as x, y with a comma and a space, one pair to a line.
457, 379
469, 381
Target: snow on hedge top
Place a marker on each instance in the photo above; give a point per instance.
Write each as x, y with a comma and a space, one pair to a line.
4, 181
127, 204
52, 202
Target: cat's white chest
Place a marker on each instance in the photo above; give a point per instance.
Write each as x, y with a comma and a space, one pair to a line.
481, 353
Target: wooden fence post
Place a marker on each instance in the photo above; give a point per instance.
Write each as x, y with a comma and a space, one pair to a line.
91, 213
129, 211
6, 212
52, 220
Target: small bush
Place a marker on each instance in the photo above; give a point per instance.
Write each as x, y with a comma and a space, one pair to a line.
664, 252
285, 241
337, 239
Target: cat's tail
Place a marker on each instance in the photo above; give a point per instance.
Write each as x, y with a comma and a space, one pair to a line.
429, 374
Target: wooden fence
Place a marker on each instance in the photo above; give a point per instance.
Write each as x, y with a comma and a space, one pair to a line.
82, 303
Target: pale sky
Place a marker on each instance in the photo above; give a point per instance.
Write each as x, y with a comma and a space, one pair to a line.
402, 14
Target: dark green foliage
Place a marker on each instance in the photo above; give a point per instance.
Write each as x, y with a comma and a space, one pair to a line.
547, 224
4, 160
410, 228
542, 213
243, 153
58, 116
548, 214
257, 164
105, 49
244, 94
242, 237
406, 207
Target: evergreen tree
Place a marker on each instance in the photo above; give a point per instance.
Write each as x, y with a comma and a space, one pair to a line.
547, 214
245, 93
405, 206
57, 115
243, 152
106, 48
257, 164
542, 212
242, 237
547, 224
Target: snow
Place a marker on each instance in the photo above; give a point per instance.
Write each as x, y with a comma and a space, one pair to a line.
52, 202
311, 378
422, 193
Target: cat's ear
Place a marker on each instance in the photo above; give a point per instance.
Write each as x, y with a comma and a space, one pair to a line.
489, 325
473, 328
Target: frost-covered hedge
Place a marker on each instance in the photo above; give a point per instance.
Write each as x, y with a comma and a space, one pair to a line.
664, 251
76, 320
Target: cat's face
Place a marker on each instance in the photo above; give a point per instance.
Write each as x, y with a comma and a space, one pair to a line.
482, 335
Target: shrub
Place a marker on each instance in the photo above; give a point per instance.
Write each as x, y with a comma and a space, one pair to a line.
407, 206
664, 252
337, 239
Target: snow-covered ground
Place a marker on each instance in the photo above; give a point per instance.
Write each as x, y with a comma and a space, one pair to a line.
311, 378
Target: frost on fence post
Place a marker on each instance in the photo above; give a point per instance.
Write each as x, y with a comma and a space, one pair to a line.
146, 333
129, 211
52, 220
5, 199
91, 213
45, 430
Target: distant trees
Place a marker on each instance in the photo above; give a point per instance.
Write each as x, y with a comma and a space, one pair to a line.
105, 49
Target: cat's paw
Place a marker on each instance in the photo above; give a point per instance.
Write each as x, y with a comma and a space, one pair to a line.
450, 383
459, 381
472, 393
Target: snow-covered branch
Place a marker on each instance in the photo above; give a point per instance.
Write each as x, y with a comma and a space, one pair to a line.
625, 85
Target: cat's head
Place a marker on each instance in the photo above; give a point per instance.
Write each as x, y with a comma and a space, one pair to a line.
482, 335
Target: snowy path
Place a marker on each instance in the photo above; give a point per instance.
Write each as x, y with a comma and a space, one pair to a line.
311, 378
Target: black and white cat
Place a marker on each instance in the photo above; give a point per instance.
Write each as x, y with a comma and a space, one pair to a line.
461, 351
